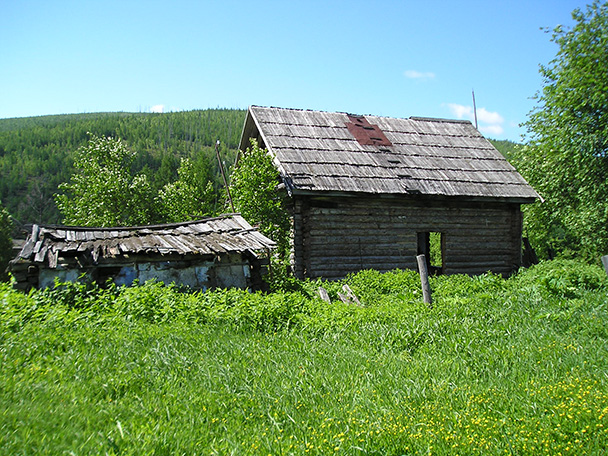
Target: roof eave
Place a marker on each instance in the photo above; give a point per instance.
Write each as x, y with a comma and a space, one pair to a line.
251, 129
413, 195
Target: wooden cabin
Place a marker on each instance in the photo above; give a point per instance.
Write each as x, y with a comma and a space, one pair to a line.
218, 252
369, 192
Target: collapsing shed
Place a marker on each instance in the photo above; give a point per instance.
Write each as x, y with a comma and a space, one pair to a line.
372, 192
215, 252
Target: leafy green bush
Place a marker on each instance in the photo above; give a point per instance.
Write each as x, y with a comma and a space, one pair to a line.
565, 278
268, 313
155, 303
80, 295
370, 285
391, 299
464, 285
104, 191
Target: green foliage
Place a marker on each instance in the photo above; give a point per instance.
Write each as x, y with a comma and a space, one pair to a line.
435, 250
372, 286
495, 367
191, 196
566, 159
254, 189
566, 278
6, 242
103, 191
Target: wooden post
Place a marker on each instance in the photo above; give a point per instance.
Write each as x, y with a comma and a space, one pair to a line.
424, 279
219, 162
605, 262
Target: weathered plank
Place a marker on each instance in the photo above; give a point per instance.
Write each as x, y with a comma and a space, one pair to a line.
324, 295
350, 296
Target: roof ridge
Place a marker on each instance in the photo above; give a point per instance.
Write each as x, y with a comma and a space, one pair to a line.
416, 118
298, 109
440, 119
138, 227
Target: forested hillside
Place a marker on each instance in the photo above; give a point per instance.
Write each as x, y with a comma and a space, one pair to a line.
37, 153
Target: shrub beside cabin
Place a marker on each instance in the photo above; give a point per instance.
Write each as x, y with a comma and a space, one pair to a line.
218, 252
372, 192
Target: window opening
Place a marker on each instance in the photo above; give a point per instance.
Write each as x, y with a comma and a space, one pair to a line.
431, 244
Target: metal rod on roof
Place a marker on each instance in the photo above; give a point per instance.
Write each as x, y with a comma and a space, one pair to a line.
219, 162
474, 109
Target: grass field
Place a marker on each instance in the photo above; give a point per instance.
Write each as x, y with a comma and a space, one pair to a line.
515, 366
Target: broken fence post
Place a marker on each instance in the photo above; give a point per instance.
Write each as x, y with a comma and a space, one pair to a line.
424, 279
605, 262
324, 295
349, 297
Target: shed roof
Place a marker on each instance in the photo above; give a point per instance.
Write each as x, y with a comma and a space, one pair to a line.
211, 236
319, 151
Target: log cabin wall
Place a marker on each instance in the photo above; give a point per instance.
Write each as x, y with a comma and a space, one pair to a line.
343, 235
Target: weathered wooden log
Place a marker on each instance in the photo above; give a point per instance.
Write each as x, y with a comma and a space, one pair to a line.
605, 262
343, 235
424, 279
324, 295
344, 298
349, 297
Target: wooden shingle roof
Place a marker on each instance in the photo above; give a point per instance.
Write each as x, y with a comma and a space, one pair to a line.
212, 236
318, 151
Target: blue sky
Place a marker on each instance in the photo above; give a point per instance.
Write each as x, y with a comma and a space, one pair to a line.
392, 58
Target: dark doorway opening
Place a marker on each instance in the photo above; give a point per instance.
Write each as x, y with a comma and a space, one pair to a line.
431, 244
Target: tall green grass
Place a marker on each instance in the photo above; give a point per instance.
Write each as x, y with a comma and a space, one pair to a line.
515, 366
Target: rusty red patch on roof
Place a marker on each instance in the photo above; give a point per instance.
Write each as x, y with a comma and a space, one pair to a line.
365, 133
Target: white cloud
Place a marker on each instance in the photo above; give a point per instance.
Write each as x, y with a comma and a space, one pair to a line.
461, 112
413, 74
485, 116
490, 122
492, 130
157, 108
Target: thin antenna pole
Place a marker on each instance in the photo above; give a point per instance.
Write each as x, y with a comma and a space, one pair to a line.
219, 162
474, 109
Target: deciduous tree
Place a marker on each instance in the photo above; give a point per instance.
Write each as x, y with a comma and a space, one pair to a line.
566, 156
191, 196
254, 188
103, 191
